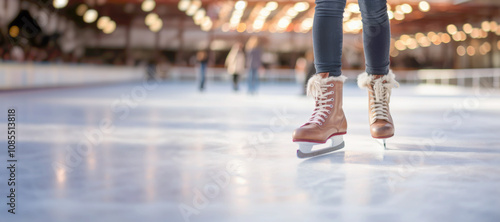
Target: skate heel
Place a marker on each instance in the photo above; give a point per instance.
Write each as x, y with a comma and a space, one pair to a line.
311, 149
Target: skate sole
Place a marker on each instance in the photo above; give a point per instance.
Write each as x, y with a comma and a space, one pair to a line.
302, 155
383, 137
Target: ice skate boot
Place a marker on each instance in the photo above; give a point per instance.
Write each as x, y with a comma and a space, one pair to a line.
323, 132
379, 94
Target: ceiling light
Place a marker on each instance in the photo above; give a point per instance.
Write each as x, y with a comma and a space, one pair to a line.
424, 6
90, 16
110, 27
183, 5
151, 18
156, 26
271, 6
148, 5
60, 3
81, 9
301, 6
102, 22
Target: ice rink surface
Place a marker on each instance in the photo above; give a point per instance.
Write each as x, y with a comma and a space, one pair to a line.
147, 152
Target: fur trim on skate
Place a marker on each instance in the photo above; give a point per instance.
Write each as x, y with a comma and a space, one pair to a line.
364, 79
316, 81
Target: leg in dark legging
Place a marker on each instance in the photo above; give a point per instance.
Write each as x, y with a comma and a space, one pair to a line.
376, 36
203, 70
327, 36
235, 81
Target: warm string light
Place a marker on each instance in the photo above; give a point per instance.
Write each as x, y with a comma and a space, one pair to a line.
280, 23
184, 5
90, 16
252, 19
424, 6
259, 22
192, 8
452, 33
59, 3
291, 13
104, 23
148, 5
81, 9
306, 25
239, 10
351, 18
154, 22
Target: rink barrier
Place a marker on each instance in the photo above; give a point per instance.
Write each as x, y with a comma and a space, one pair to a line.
475, 78
19, 76
220, 74
29, 75
458, 77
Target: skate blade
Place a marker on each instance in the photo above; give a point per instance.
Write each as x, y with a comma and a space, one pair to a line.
382, 142
306, 148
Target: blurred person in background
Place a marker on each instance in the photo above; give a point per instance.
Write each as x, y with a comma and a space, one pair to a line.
310, 69
304, 69
300, 70
328, 124
2, 45
202, 59
17, 53
254, 62
235, 63
6, 55
163, 68
151, 70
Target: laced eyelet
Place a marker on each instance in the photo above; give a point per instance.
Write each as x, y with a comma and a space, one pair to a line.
320, 124
331, 106
329, 111
331, 84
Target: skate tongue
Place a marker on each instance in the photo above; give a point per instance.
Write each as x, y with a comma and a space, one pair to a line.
379, 91
314, 86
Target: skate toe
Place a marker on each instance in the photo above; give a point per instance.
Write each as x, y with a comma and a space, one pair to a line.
306, 132
382, 129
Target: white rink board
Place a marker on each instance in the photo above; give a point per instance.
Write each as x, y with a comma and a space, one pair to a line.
28, 75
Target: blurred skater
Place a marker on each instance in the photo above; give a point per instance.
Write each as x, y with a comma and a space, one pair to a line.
304, 69
151, 71
300, 70
254, 62
235, 63
310, 69
202, 58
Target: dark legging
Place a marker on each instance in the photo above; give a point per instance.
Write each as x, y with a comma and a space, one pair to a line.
236, 78
328, 33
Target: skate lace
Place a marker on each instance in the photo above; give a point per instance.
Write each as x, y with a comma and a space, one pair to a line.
322, 109
380, 99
